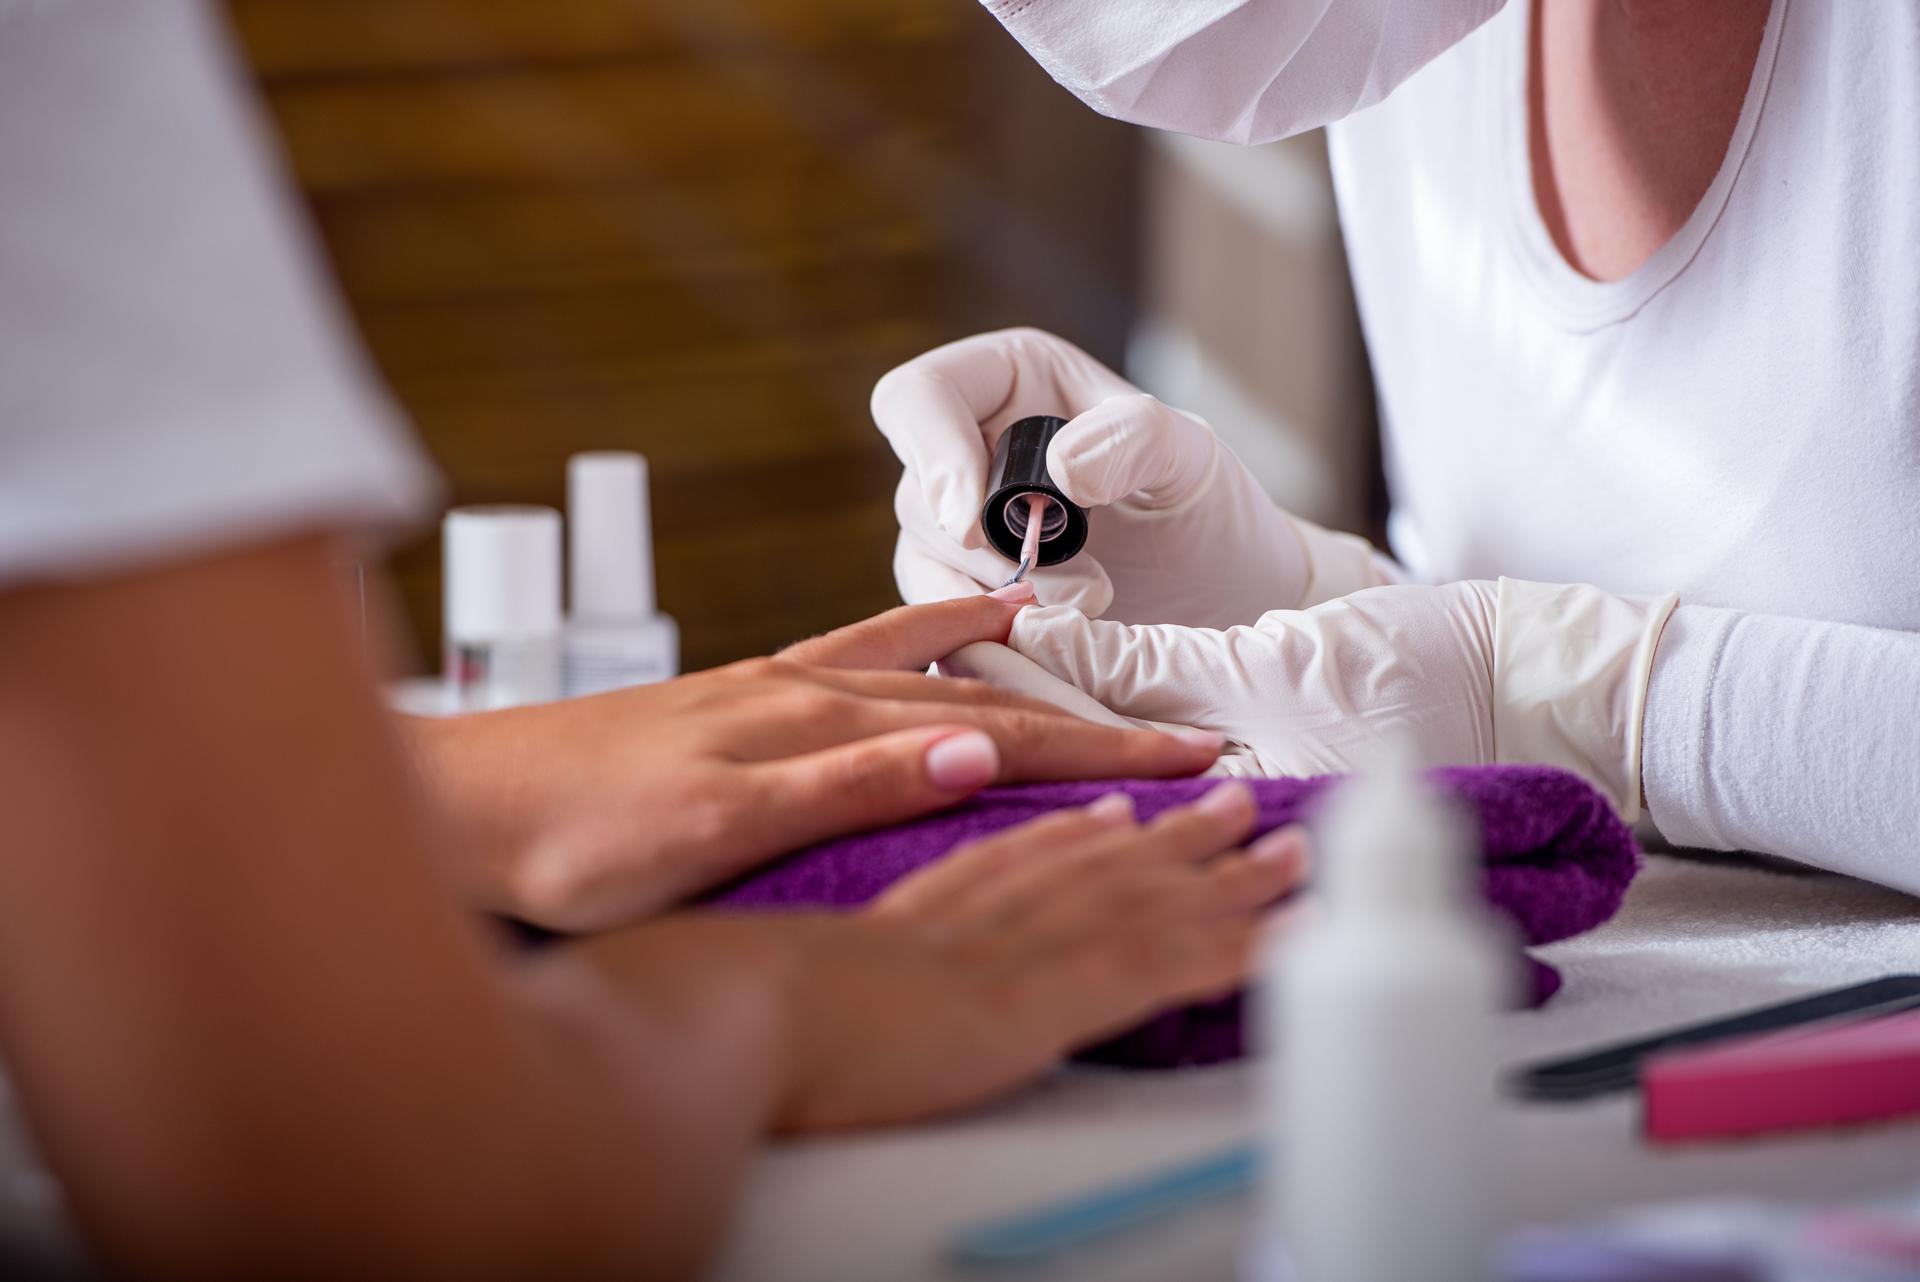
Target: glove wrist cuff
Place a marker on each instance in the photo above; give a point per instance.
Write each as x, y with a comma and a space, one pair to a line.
1570, 670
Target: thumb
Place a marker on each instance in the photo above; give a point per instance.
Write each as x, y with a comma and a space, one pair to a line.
1131, 447
935, 432
1156, 672
872, 782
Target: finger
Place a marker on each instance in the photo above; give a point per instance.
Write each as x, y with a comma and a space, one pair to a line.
1084, 885
952, 885
912, 687
802, 712
931, 410
1233, 884
1035, 746
911, 637
1161, 671
1116, 983
1284, 845
1040, 747
866, 784
1132, 446
1218, 821
1201, 958
1239, 883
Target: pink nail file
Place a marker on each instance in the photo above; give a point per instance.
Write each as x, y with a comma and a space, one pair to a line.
1832, 1075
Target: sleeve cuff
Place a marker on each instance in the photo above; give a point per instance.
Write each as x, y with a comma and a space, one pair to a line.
1676, 733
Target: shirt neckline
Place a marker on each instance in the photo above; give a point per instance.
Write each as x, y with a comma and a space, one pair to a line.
1576, 301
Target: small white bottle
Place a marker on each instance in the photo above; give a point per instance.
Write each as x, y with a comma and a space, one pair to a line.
1380, 1092
615, 635
502, 606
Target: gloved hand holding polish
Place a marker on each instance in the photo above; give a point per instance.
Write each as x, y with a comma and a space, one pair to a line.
1181, 532
1470, 673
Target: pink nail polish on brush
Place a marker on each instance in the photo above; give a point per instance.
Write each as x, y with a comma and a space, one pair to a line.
1027, 518
1831, 1075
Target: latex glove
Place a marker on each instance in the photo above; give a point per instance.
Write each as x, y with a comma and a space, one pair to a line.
1469, 673
1183, 532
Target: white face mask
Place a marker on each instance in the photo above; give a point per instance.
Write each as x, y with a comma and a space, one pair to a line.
1237, 70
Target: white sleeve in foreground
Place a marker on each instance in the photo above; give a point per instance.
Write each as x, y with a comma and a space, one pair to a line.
175, 374
1789, 737
1244, 71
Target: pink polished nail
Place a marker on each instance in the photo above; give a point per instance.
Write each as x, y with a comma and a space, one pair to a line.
1021, 591
1114, 809
1230, 798
1280, 845
962, 762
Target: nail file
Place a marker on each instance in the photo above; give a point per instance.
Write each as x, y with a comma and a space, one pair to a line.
1056, 1226
1617, 1068
1833, 1075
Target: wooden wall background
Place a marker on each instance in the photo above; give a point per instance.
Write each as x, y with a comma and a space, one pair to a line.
696, 228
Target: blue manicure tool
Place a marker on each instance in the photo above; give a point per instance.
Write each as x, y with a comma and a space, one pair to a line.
1082, 1217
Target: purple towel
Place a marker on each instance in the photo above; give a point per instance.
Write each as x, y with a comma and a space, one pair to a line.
1558, 861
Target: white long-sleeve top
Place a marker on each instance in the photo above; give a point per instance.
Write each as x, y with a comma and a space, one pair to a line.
1738, 420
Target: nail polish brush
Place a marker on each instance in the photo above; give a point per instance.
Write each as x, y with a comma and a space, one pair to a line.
1027, 518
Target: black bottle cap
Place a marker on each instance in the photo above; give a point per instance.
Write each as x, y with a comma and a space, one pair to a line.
1019, 468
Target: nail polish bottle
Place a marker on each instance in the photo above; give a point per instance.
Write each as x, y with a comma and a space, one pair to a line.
502, 606
615, 635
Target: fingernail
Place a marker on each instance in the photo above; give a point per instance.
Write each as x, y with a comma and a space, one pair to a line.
1229, 798
962, 762
1205, 740
1280, 845
1115, 809
1021, 591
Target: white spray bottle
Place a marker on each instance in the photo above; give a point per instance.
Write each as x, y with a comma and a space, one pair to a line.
1379, 1008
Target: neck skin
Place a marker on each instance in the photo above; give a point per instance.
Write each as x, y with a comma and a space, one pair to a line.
1631, 106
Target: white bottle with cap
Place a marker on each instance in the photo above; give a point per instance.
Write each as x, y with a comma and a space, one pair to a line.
1380, 1087
615, 635
502, 606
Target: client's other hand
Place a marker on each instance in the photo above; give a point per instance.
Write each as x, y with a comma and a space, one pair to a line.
591, 813
982, 971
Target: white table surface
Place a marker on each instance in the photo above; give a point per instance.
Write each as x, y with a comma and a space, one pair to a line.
1695, 938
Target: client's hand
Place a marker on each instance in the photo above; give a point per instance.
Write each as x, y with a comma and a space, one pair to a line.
986, 969
980, 972
595, 812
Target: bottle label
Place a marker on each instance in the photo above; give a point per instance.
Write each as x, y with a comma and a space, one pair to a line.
597, 664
